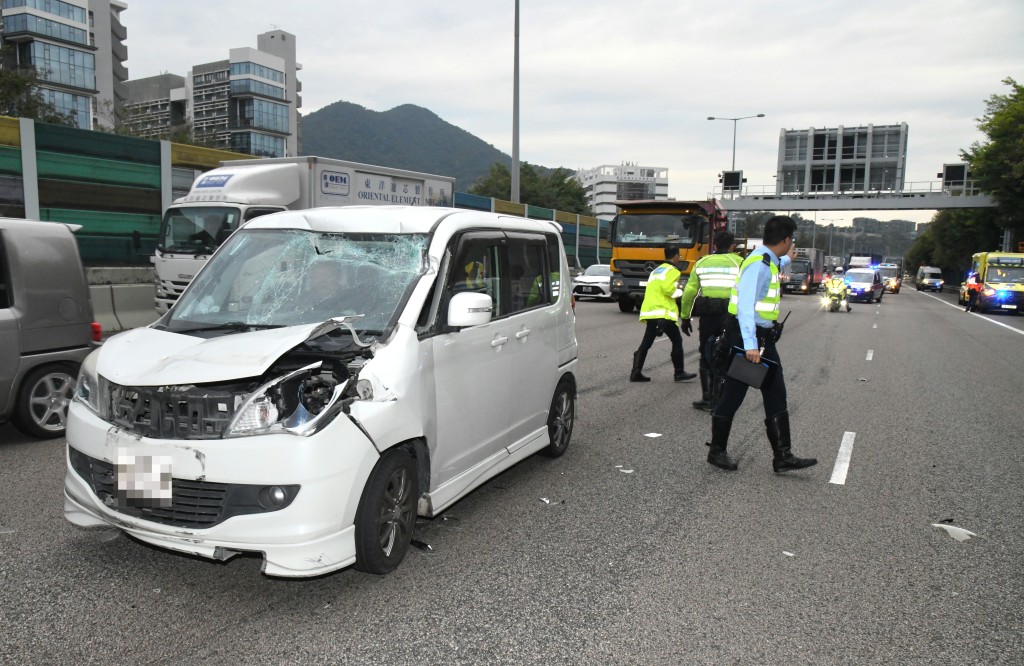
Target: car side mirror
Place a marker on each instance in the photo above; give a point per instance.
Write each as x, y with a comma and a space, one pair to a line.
469, 308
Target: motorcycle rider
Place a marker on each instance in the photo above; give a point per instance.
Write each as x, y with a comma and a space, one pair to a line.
837, 286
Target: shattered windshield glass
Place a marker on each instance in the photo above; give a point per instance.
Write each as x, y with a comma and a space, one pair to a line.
287, 277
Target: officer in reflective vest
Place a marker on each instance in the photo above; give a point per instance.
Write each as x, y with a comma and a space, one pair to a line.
973, 287
707, 297
660, 313
753, 327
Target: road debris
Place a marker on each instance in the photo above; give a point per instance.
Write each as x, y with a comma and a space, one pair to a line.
652, 435
421, 545
958, 533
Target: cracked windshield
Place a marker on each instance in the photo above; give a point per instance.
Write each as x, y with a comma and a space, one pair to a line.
663, 228
292, 277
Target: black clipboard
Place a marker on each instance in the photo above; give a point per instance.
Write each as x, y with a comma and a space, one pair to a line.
753, 375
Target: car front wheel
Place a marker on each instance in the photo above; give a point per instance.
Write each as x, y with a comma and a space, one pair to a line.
386, 515
42, 404
561, 418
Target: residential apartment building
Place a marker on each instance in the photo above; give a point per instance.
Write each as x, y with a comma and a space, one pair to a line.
247, 103
77, 48
842, 160
609, 183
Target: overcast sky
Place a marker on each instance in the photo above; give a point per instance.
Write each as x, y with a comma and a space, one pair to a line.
633, 81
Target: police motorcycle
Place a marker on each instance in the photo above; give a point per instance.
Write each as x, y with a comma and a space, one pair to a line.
836, 297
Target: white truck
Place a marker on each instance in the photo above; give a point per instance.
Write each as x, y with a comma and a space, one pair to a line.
805, 271
240, 190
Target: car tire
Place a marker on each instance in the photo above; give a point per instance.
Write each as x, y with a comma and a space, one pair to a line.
626, 304
386, 516
561, 418
41, 408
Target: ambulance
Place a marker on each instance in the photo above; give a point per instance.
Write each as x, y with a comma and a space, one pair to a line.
1002, 278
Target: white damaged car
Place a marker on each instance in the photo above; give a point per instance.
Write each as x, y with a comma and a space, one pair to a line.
327, 376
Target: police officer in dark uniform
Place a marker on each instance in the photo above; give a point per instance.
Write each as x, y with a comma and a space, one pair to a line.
753, 327
707, 297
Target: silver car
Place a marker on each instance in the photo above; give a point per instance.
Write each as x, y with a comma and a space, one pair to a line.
595, 282
46, 324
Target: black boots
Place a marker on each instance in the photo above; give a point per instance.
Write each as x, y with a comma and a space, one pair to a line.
681, 375
705, 392
778, 435
720, 427
638, 364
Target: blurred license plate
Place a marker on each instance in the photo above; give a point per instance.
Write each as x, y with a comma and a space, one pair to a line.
1008, 307
643, 283
590, 290
144, 480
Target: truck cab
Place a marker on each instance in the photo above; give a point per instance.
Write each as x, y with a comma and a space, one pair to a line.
641, 231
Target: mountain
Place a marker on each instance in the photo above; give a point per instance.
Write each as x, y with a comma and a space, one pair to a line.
406, 137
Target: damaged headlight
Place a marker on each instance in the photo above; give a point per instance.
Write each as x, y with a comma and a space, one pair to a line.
300, 403
89, 388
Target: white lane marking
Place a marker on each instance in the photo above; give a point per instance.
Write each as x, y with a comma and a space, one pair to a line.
842, 465
871, 352
982, 317
875, 326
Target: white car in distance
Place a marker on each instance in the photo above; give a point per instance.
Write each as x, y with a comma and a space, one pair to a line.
594, 282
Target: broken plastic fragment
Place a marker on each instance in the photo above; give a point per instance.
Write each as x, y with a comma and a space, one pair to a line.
626, 471
958, 533
422, 546
652, 435
545, 500
862, 379
787, 553
109, 535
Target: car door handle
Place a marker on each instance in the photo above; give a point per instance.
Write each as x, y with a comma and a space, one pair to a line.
497, 342
522, 334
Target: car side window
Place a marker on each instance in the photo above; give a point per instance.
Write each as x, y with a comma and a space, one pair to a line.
5, 289
478, 267
526, 254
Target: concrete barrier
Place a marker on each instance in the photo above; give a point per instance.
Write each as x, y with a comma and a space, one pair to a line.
103, 308
133, 304
122, 298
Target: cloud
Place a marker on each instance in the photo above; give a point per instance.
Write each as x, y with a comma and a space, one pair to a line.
602, 83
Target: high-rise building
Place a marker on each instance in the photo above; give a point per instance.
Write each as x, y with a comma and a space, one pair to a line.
842, 160
247, 103
77, 49
609, 183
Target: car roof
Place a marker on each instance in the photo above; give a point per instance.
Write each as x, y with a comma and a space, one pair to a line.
393, 219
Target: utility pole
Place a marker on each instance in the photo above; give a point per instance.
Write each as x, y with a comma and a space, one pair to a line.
515, 113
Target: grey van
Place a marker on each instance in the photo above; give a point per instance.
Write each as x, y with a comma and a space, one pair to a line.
46, 324
930, 278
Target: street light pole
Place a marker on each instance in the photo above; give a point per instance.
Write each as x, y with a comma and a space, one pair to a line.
515, 113
831, 231
734, 121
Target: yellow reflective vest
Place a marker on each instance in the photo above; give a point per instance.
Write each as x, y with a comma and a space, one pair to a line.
713, 276
658, 302
768, 306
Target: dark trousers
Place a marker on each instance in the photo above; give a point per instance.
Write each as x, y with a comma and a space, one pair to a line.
666, 326
773, 391
708, 326
972, 299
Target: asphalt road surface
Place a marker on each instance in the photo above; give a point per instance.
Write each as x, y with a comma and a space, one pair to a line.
630, 549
